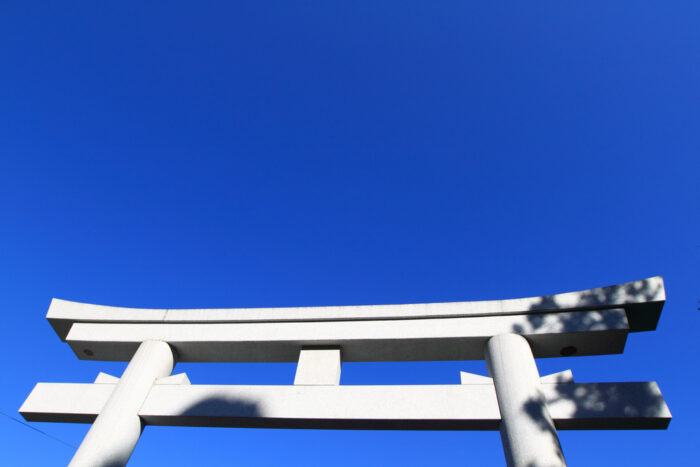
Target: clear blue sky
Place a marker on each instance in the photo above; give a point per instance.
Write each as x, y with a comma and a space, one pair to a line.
249, 154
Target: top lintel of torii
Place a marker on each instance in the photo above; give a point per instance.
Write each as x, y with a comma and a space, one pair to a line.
425, 331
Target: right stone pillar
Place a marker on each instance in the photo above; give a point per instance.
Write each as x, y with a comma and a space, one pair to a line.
527, 430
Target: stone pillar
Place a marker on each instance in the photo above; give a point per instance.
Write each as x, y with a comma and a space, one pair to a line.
527, 430
117, 428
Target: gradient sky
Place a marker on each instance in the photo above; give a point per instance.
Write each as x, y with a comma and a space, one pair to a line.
260, 154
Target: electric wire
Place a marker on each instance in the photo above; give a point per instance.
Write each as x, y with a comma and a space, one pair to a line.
36, 429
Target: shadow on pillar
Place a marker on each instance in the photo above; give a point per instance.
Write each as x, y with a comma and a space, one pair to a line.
590, 399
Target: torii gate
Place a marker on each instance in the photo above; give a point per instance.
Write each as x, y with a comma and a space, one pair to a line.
508, 334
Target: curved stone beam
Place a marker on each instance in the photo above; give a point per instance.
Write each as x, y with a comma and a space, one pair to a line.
642, 301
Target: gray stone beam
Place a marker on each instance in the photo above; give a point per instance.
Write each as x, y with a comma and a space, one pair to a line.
318, 367
642, 301
584, 406
550, 334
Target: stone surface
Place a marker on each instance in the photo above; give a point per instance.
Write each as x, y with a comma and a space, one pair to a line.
318, 367
117, 428
471, 378
525, 408
460, 407
180, 378
562, 377
642, 301
104, 378
527, 429
589, 332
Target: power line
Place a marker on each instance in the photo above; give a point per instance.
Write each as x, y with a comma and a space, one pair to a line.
36, 429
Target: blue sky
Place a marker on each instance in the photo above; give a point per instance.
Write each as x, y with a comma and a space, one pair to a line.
250, 154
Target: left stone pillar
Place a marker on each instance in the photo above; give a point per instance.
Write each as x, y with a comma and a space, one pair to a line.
116, 430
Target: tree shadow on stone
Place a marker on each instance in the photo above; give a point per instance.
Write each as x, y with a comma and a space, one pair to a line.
213, 412
639, 299
642, 405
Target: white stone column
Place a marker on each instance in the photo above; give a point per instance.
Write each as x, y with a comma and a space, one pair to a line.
527, 430
117, 429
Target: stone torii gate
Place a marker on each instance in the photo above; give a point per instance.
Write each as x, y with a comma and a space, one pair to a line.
509, 334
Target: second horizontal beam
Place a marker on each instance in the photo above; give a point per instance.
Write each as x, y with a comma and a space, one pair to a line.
549, 335
424, 407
